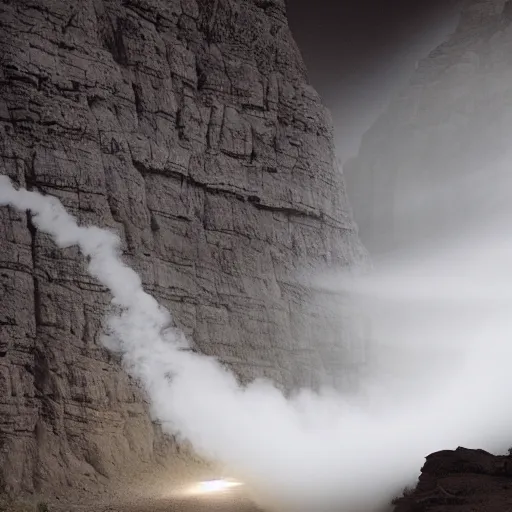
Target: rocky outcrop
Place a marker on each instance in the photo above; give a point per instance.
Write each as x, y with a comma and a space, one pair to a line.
463, 480
429, 162
189, 127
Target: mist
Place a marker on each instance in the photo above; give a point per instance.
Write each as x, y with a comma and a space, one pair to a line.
437, 371
360, 54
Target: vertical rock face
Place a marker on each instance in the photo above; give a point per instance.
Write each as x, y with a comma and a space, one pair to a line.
188, 126
428, 162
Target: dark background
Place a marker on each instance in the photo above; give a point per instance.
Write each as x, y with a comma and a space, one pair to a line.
358, 52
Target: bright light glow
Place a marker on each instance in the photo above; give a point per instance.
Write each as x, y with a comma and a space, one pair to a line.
217, 486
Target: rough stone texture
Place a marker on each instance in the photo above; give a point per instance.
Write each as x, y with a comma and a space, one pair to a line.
189, 127
462, 480
452, 121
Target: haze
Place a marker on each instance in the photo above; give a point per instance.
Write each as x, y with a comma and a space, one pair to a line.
360, 53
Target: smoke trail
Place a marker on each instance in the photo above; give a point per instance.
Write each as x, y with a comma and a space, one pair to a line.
310, 452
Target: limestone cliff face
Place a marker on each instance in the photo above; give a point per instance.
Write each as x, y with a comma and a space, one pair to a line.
451, 123
188, 126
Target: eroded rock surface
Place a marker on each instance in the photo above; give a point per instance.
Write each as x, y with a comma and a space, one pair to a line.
189, 127
463, 480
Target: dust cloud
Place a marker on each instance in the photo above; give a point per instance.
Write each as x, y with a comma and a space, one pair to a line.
438, 372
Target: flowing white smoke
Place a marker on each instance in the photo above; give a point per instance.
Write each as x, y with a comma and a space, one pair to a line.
321, 451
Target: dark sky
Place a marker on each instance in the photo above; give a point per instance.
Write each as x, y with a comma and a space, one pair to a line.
359, 51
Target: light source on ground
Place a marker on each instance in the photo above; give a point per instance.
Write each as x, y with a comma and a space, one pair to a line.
215, 486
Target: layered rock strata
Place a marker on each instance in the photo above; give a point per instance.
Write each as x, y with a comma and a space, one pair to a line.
189, 127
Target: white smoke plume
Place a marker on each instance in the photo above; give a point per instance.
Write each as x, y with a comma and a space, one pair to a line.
324, 451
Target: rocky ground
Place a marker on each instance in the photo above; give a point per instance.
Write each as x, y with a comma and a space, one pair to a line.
160, 489
461, 480
170, 505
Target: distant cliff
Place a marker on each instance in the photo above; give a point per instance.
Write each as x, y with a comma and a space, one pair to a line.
425, 169
189, 127
411, 179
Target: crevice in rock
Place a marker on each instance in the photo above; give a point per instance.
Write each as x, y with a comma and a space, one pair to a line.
252, 199
30, 179
138, 100
38, 364
112, 38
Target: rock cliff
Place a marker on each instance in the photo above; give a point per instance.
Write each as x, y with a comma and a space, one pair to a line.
427, 163
189, 127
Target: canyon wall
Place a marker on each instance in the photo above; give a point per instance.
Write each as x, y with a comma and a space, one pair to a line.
429, 165
189, 127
